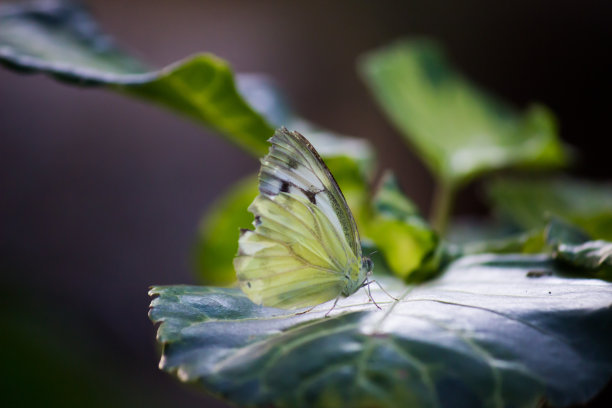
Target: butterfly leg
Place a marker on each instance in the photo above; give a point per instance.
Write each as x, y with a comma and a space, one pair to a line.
332, 308
307, 310
367, 283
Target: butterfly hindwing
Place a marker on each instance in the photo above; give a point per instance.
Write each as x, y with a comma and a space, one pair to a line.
305, 246
293, 258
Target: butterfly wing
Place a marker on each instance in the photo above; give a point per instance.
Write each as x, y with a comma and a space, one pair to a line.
305, 247
294, 164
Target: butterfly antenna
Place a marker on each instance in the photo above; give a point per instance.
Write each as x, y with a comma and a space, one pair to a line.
373, 252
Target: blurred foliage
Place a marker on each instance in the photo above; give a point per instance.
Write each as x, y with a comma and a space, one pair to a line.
593, 257
529, 203
531, 242
572, 247
398, 230
458, 131
559, 232
61, 39
217, 241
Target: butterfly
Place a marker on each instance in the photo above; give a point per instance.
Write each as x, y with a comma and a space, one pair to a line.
305, 249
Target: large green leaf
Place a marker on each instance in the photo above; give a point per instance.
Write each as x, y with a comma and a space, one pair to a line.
487, 333
459, 131
530, 203
61, 39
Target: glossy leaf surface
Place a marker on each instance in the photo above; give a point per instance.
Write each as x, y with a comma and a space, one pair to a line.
486, 333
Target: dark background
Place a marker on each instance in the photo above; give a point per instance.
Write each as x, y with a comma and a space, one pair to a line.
100, 196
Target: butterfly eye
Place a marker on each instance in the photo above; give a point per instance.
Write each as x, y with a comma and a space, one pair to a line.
368, 265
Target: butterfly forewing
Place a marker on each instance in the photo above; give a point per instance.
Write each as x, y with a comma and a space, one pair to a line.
305, 247
294, 165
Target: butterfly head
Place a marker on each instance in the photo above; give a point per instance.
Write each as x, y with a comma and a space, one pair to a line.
367, 266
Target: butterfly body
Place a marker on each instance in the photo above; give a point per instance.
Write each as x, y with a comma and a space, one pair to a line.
305, 248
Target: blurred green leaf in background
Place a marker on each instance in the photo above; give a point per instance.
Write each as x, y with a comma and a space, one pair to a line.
575, 249
216, 243
398, 230
457, 130
528, 203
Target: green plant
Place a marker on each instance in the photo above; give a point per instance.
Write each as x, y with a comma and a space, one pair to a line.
504, 321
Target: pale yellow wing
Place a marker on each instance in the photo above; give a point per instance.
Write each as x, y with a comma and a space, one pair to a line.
300, 253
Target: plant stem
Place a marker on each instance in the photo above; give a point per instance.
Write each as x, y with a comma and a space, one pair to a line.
441, 207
